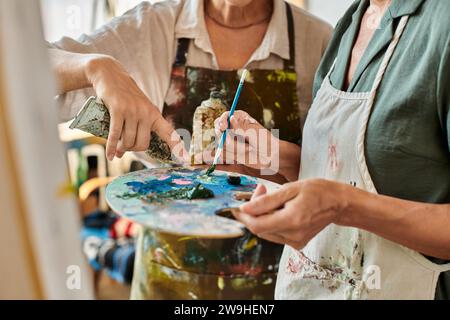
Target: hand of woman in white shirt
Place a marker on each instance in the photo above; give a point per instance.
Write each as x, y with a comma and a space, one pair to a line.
133, 115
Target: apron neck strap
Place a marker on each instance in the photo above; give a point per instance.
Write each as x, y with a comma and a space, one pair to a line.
290, 64
389, 53
182, 51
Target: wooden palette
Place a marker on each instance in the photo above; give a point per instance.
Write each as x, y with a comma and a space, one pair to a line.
132, 196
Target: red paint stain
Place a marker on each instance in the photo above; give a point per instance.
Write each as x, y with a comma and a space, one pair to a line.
333, 162
293, 267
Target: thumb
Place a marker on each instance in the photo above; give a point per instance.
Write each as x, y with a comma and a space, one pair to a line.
221, 123
168, 134
269, 202
259, 191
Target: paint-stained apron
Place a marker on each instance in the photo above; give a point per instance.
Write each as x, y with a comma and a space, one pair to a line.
173, 267
342, 262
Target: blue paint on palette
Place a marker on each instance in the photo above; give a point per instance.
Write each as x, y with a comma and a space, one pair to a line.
127, 196
218, 184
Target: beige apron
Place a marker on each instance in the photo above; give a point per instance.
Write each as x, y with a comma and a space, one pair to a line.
342, 262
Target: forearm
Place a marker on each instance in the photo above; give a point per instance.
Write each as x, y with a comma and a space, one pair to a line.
422, 227
289, 160
72, 70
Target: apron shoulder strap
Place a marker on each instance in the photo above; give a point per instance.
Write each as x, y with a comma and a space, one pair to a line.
290, 64
182, 51
389, 53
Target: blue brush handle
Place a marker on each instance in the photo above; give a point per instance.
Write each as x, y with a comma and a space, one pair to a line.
233, 108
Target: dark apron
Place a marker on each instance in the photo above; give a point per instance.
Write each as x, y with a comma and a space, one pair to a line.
172, 267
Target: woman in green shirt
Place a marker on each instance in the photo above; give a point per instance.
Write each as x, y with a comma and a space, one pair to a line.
370, 215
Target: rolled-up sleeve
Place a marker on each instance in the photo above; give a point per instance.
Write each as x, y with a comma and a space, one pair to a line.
142, 40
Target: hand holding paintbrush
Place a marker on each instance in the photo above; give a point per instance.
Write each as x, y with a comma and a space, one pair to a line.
224, 134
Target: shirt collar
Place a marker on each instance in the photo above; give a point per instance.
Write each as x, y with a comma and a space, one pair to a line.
398, 8
401, 8
191, 24
276, 39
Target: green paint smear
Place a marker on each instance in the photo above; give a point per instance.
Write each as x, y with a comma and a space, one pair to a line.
199, 191
129, 195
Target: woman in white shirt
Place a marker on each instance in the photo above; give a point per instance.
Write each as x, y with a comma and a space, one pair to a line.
154, 65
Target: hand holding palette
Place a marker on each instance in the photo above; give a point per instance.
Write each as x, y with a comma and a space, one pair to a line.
181, 201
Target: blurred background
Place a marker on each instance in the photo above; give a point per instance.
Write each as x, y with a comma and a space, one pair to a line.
58, 239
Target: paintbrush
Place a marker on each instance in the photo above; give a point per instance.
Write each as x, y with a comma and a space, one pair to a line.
224, 134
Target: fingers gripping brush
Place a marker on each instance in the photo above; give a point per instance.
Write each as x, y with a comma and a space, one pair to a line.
224, 134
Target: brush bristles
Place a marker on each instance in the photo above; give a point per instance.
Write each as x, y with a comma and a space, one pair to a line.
210, 169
